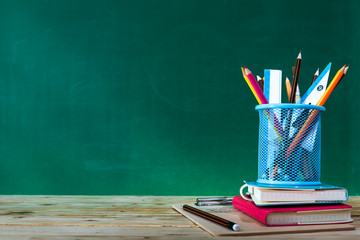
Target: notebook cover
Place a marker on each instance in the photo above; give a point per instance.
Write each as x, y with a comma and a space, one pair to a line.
260, 213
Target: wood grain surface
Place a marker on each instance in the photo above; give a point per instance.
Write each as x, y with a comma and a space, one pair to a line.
114, 217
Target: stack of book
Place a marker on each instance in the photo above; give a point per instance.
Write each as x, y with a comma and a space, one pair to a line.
299, 205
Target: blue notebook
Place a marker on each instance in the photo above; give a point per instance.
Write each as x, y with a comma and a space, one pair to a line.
274, 194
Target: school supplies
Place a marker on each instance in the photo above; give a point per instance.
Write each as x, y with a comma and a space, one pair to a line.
260, 82
255, 85
272, 85
316, 75
270, 195
226, 223
345, 71
213, 201
248, 225
295, 215
288, 88
296, 78
298, 165
332, 86
251, 86
317, 89
297, 94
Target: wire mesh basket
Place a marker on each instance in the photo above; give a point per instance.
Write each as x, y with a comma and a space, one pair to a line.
289, 144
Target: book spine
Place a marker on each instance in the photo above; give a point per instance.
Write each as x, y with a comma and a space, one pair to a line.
250, 209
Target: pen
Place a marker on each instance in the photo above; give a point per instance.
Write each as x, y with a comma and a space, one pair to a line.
226, 223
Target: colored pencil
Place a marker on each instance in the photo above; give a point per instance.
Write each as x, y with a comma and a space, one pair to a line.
250, 86
332, 86
260, 82
296, 78
316, 75
345, 71
255, 85
310, 119
277, 125
288, 87
226, 223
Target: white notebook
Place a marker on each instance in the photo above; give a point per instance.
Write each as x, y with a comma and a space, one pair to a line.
273, 195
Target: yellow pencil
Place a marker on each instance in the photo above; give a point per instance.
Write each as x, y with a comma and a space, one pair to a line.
332, 86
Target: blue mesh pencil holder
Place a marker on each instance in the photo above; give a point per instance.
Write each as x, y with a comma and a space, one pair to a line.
289, 144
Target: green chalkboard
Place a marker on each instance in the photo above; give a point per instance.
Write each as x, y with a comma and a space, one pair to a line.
146, 96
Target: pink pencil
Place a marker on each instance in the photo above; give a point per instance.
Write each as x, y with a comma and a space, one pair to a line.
255, 85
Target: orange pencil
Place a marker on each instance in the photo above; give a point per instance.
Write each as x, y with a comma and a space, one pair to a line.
274, 172
345, 71
288, 87
310, 119
332, 86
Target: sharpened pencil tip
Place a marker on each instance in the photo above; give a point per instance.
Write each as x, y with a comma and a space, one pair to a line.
346, 69
317, 72
246, 71
299, 56
258, 77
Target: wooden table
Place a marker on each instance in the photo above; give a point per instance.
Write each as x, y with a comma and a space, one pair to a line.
114, 217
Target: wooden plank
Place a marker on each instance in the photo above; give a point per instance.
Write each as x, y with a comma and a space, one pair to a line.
73, 205
97, 231
109, 221
112, 217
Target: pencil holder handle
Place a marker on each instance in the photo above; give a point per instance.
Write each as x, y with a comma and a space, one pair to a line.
289, 144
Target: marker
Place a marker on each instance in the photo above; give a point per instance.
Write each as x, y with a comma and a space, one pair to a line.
296, 78
226, 223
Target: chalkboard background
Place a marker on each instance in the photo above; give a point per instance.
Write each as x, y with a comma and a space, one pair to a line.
147, 97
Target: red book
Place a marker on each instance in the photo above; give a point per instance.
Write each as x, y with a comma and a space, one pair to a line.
295, 215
